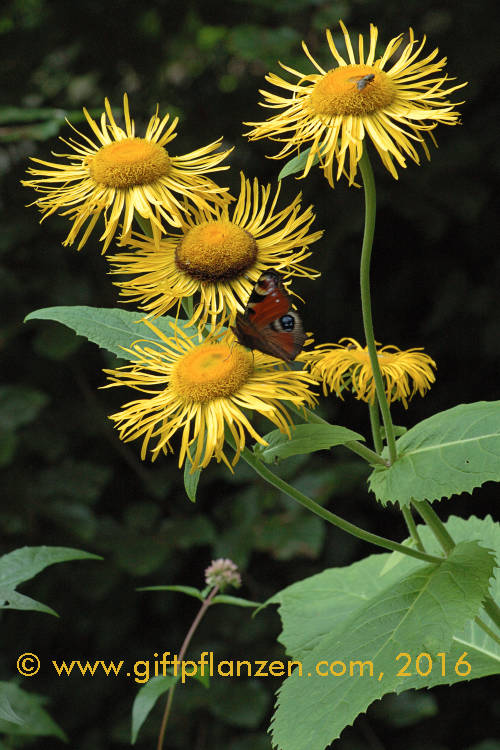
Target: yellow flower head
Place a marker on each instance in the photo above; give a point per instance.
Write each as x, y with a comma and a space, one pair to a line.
117, 174
200, 388
220, 256
348, 366
392, 100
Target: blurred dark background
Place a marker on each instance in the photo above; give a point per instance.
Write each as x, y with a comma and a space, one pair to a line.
66, 478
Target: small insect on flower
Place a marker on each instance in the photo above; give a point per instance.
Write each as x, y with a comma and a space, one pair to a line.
394, 100
269, 324
363, 81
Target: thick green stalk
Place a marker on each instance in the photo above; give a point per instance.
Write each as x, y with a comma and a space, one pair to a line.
366, 304
435, 524
332, 518
375, 425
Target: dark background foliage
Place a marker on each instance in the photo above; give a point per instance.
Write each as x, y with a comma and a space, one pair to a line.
66, 478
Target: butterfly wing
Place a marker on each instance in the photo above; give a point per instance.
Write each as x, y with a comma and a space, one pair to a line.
268, 323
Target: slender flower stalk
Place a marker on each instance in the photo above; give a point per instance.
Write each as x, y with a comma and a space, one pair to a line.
366, 304
327, 515
187, 640
220, 574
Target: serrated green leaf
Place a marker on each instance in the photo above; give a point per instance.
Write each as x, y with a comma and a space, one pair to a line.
35, 721
416, 614
297, 164
109, 328
22, 564
146, 699
306, 438
309, 607
191, 481
189, 590
451, 452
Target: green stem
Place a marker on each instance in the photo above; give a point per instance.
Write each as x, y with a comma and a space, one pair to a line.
332, 518
364, 452
187, 640
412, 528
366, 304
375, 425
353, 445
435, 524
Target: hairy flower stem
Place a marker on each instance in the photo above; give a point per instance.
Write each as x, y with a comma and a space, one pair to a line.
332, 518
366, 304
187, 640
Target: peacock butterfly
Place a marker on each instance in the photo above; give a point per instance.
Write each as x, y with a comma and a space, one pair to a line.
268, 323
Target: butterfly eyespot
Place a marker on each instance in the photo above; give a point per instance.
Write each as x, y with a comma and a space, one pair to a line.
287, 322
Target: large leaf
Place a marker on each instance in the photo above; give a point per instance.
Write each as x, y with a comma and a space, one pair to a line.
109, 328
334, 600
306, 438
33, 720
22, 564
308, 608
418, 614
453, 451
